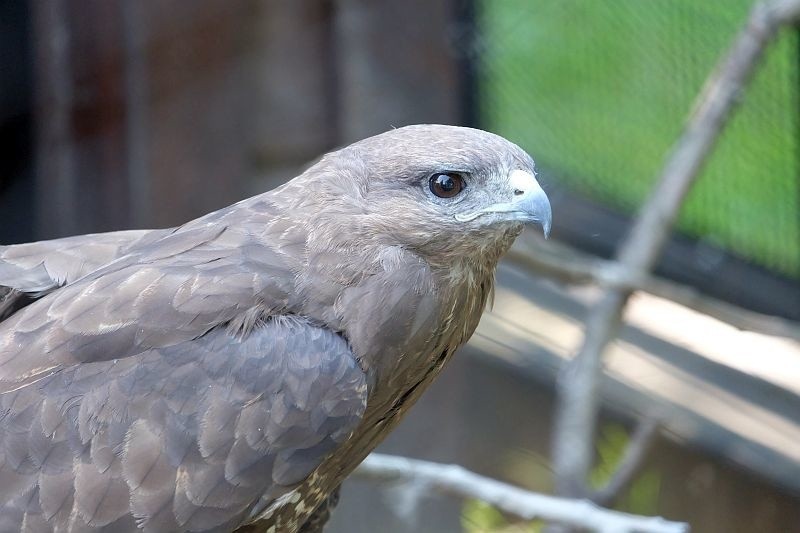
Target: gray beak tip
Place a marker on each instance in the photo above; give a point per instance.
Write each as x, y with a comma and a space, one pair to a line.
546, 229
534, 201
547, 220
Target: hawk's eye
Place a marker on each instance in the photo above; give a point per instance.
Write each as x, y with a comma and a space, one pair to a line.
447, 184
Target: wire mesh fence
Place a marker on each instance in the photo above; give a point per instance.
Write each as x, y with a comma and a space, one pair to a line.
597, 92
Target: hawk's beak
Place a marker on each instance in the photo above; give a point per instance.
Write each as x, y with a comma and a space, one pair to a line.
528, 203
530, 200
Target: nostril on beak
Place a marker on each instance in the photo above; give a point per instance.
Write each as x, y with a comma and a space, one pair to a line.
518, 192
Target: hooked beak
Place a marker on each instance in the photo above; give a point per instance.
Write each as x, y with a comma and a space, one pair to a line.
530, 201
528, 204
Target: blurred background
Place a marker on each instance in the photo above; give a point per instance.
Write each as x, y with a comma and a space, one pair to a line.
118, 114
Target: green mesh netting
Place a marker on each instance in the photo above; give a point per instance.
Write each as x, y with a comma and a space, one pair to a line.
597, 91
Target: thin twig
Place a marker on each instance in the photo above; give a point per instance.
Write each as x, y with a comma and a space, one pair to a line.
578, 381
632, 459
457, 481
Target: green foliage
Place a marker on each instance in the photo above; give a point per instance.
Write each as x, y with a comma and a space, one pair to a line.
643, 494
598, 91
480, 517
641, 498
610, 448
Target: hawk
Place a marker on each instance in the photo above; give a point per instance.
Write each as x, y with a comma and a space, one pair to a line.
229, 373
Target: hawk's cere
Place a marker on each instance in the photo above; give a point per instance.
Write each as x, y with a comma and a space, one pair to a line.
235, 369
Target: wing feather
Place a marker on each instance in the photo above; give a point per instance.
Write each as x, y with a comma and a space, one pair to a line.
188, 436
45, 265
132, 305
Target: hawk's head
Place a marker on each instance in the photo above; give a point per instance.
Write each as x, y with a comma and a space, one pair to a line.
441, 191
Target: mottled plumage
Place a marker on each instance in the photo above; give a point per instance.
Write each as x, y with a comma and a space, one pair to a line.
232, 371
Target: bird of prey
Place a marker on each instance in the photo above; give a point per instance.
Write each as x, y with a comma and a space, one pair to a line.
231, 372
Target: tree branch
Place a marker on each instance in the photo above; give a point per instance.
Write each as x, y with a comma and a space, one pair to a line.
571, 266
577, 384
632, 459
457, 481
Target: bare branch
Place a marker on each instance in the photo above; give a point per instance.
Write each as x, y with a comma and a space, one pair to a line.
571, 266
632, 459
578, 382
785, 11
457, 481
568, 265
